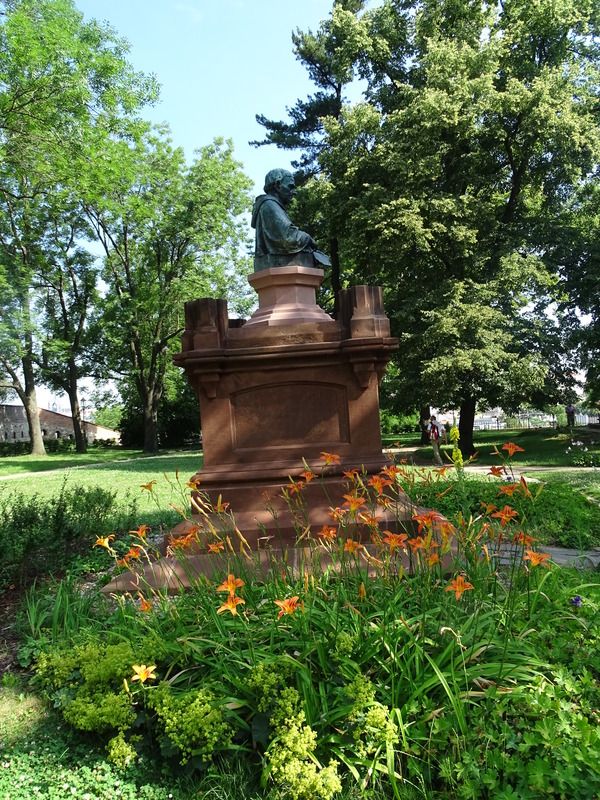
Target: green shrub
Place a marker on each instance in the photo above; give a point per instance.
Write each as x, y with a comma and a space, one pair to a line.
38, 535
192, 722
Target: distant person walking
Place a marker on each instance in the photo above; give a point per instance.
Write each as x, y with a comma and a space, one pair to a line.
570, 412
436, 432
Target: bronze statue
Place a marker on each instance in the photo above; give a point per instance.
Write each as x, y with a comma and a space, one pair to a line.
279, 242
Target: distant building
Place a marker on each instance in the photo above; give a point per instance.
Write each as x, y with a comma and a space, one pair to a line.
13, 426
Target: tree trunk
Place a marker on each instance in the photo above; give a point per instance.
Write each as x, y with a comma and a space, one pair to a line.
424, 419
150, 422
465, 426
32, 413
78, 426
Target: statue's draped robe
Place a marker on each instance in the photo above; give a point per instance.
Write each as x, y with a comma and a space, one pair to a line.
275, 232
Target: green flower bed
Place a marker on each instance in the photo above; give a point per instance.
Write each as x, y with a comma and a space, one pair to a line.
559, 514
414, 666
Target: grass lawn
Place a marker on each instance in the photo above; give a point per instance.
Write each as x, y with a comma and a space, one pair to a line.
13, 465
123, 476
544, 447
587, 482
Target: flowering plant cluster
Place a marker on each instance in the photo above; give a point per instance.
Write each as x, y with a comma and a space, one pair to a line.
365, 661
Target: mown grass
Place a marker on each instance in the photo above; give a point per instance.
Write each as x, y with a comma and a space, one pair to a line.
123, 477
542, 447
585, 481
16, 465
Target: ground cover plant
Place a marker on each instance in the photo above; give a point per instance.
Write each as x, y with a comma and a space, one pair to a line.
41, 757
401, 664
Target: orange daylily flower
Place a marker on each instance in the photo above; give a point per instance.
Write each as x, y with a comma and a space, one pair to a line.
418, 543
523, 539
132, 553
145, 605
488, 507
308, 475
216, 547
352, 546
142, 673
368, 519
148, 487
328, 532
441, 471
427, 519
354, 502
141, 532
459, 586
432, 559
193, 483
390, 471
330, 458
351, 474
337, 514
497, 472
104, 541
505, 515
288, 606
231, 584
535, 559
445, 528
509, 488
183, 542
295, 487
379, 483
395, 540
231, 605
512, 448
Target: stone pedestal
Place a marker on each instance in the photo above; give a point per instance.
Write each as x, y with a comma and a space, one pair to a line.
281, 388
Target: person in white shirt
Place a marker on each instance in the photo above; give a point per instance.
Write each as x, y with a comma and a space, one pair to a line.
437, 433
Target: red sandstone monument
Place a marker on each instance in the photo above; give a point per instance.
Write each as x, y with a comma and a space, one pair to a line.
282, 388
278, 390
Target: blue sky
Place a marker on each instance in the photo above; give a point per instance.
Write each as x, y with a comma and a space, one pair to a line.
218, 63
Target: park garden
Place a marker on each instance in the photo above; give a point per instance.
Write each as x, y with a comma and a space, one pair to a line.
452, 652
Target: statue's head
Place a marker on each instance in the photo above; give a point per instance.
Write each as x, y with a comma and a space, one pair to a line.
281, 184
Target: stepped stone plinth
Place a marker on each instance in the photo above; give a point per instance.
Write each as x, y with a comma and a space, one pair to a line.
281, 388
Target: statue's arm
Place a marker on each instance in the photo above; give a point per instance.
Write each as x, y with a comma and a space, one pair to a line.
281, 235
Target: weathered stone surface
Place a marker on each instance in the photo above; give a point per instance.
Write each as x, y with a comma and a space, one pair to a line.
285, 386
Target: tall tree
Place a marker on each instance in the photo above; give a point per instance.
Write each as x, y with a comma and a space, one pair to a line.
169, 232
20, 258
447, 185
67, 295
60, 78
